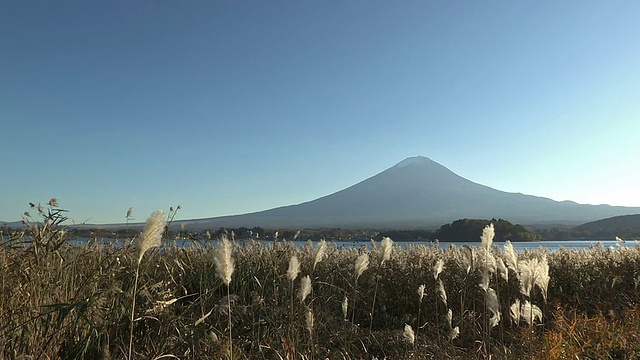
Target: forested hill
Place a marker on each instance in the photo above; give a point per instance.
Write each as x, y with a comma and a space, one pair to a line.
622, 226
471, 230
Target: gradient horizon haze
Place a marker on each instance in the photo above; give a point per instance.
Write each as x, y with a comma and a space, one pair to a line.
229, 107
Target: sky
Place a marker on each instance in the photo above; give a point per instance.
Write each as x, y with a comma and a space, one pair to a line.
230, 107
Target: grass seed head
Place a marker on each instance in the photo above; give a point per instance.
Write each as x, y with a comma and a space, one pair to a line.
152, 233
502, 269
294, 268
223, 260
437, 268
441, 292
488, 233
320, 253
386, 247
408, 334
362, 263
305, 288
514, 311
529, 312
542, 276
309, 321
421, 291
345, 307
468, 257
454, 333
510, 256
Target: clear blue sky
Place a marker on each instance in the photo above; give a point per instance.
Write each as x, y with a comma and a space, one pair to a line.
239, 106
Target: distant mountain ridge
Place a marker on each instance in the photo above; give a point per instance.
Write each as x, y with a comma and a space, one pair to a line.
416, 193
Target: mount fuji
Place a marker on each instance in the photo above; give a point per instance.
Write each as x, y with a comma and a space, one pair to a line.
417, 193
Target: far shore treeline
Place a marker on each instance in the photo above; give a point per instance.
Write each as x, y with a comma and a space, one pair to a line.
463, 230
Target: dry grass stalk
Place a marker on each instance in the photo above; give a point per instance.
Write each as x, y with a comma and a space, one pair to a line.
224, 269
151, 237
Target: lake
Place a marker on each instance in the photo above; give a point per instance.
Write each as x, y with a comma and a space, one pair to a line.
551, 245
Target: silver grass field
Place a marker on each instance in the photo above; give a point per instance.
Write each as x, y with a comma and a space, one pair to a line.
145, 298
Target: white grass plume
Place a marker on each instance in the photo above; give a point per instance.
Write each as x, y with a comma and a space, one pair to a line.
502, 269
488, 233
361, 264
526, 275
294, 268
152, 234
454, 333
491, 300
223, 260
421, 291
510, 256
320, 253
542, 276
345, 307
449, 317
386, 247
514, 311
437, 268
441, 292
534, 272
305, 288
309, 321
408, 334
529, 313
468, 257
484, 280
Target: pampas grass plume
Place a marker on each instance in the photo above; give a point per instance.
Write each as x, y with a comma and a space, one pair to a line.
309, 321
454, 333
514, 311
345, 307
511, 256
305, 288
362, 263
486, 239
437, 268
294, 268
502, 269
320, 253
542, 277
224, 261
441, 292
408, 334
421, 291
386, 247
152, 233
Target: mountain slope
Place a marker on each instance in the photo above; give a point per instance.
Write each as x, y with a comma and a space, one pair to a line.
417, 192
624, 222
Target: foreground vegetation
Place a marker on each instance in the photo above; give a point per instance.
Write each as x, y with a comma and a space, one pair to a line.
143, 299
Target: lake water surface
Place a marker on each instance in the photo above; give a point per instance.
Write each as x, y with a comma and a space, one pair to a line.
551, 245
